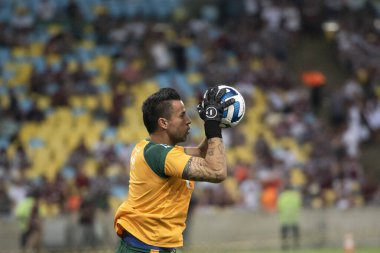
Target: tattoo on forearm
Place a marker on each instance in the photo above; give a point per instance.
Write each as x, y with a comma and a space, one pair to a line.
198, 169
195, 171
221, 148
185, 173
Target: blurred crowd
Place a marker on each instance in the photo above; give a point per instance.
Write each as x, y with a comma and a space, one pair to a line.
74, 73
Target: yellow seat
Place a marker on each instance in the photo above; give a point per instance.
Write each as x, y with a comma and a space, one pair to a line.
232, 188
231, 156
91, 102
51, 171
24, 71
297, 177
103, 65
194, 78
27, 131
52, 59
106, 101
50, 210
4, 101
54, 29
13, 83
36, 49
11, 150
75, 101
329, 196
377, 91
72, 66
98, 80
245, 154
90, 65
88, 28
31, 173
114, 170
19, 52
127, 134
150, 86
43, 102
90, 167
87, 44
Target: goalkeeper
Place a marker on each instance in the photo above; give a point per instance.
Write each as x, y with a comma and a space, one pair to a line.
162, 174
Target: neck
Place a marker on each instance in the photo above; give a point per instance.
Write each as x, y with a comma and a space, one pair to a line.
161, 139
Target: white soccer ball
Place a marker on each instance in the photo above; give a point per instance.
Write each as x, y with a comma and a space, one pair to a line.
234, 113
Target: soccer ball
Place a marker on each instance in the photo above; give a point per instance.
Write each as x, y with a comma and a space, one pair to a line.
234, 113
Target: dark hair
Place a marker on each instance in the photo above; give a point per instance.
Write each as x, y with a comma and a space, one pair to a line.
158, 106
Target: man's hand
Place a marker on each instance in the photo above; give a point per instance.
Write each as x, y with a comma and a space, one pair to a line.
211, 108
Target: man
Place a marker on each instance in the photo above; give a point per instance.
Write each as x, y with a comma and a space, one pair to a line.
162, 173
289, 205
29, 215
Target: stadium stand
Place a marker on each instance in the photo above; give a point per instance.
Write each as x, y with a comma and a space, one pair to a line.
74, 75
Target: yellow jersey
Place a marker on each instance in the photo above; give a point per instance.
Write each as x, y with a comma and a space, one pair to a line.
158, 199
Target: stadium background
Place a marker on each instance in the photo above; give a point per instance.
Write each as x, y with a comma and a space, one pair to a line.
74, 75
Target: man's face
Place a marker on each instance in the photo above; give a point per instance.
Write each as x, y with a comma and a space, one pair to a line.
178, 123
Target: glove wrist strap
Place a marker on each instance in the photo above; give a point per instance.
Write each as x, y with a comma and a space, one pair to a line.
212, 129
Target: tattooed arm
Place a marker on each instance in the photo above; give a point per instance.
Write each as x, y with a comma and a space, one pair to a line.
212, 168
199, 151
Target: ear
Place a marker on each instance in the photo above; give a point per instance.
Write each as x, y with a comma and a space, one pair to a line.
163, 123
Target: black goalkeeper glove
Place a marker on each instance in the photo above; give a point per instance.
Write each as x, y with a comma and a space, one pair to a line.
211, 111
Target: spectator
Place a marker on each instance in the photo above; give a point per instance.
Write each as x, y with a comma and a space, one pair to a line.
18, 188
250, 190
75, 19
5, 201
289, 205
55, 193
20, 160
160, 53
87, 221
29, 215
4, 163
23, 20
100, 189
46, 11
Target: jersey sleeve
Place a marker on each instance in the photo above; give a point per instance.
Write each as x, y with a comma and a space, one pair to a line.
166, 160
155, 156
176, 161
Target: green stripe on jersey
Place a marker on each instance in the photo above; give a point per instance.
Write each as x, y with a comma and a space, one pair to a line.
155, 155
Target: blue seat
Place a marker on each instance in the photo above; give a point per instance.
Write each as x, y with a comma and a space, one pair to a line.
57, 66
130, 8
103, 88
25, 104
4, 142
68, 172
109, 132
8, 74
183, 85
119, 191
39, 64
36, 143
52, 88
20, 90
83, 55
147, 10
3, 89
163, 80
114, 9
194, 56
5, 55
59, 4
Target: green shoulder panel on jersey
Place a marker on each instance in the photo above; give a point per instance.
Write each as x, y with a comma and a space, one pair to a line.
155, 155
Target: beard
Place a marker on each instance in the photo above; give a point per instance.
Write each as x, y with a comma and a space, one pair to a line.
177, 138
